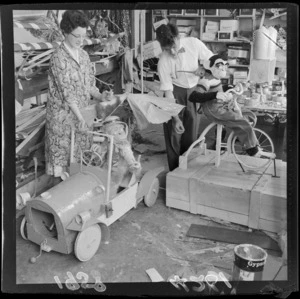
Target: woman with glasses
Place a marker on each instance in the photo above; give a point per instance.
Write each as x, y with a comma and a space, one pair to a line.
71, 86
217, 105
179, 69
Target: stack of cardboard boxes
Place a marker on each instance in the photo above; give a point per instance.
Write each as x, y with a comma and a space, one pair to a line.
211, 30
228, 29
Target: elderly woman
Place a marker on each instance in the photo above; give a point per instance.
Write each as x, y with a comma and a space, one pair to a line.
179, 71
71, 86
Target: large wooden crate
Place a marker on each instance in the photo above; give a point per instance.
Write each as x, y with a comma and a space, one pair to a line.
252, 198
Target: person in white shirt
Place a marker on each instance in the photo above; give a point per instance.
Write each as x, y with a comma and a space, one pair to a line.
179, 70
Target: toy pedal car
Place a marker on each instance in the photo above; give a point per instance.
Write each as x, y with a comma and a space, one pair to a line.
75, 214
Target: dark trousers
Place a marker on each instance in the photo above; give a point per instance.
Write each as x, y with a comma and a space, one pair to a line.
177, 144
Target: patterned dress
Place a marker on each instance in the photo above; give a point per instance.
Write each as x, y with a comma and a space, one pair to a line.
69, 82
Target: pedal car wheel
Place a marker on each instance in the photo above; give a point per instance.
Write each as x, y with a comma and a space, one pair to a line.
151, 196
87, 243
23, 229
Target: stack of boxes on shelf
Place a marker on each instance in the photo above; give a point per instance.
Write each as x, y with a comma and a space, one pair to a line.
185, 26
238, 55
239, 76
228, 29
211, 30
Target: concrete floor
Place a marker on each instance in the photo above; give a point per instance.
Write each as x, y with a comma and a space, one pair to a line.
143, 238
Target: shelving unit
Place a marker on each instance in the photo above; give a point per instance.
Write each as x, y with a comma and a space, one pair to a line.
242, 38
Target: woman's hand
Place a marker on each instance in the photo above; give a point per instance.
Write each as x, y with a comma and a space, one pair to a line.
82, 126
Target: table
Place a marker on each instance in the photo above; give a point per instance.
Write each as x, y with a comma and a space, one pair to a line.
272, 110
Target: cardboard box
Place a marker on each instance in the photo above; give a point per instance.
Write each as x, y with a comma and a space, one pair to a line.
209, 35
211, 29
229, 25
237, 53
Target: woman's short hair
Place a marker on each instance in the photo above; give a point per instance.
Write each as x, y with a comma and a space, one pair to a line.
71, 19
166, 34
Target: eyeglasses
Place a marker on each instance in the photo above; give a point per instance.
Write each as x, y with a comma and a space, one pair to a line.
79, 36
221, 64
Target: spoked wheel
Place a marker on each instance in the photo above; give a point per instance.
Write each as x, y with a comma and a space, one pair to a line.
23, 229
87, 243
151, 196
91, 158
265, 143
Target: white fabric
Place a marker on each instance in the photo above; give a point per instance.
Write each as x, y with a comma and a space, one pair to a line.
195, 51
151, 109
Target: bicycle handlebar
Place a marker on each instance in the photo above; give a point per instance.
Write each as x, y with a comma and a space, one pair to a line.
234, 90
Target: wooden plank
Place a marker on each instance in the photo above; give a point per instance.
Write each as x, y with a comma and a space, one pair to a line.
221, 214
194, 199
274, 196
255, 202
177, 187
223, 188
121, 204
254, 210
23, 148
229, 174
272, 226
177, 180
273, 208
154, 275
25, 115
177, 204
226, 235
34, 85
37, 119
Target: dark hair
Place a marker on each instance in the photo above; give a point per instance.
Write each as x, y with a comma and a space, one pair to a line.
72, 19
166, 34
213, 58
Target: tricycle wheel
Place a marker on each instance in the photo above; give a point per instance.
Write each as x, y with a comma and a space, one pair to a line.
23, 229
151, 196
87, 243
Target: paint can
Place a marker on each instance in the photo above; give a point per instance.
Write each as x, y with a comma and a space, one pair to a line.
249, 261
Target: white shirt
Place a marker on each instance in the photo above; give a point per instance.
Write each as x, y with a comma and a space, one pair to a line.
195, 51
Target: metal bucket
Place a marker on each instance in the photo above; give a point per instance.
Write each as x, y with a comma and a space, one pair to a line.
248, 263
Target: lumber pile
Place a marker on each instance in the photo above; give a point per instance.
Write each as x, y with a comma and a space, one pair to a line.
30, 132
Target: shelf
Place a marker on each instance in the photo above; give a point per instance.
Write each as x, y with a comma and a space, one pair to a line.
239, 66
183, 16
226, 42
